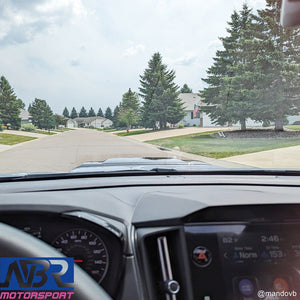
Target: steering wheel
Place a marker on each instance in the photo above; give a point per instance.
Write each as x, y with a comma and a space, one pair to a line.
16, 243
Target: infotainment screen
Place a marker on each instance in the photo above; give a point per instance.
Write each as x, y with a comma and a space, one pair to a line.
245, 261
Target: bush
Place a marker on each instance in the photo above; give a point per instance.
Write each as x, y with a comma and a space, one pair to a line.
28, 127
180, 126
1, 127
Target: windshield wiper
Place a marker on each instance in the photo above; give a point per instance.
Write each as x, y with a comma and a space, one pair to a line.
139, 172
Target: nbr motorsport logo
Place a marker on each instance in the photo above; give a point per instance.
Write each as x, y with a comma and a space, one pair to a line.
36, 274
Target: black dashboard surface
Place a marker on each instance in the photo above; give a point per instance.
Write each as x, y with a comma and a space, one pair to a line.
136, 212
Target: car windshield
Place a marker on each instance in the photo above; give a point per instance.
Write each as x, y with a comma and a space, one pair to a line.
136, 82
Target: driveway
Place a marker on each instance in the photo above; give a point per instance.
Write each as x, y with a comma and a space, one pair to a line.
282, 158
65, 151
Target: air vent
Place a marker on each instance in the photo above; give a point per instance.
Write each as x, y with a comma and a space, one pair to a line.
170, 286
165, 261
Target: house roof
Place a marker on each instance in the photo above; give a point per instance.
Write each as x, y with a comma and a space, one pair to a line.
189, 99
24, 114
89, 120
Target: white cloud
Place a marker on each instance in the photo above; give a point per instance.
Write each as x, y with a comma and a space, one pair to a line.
185, 60
134, 50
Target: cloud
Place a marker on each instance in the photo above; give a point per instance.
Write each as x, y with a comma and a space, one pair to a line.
134, 50
215, 44
185, 60
75, 63
22, 21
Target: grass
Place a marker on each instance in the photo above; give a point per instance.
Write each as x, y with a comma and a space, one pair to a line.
63, 129
293, 127
45, 132
12, 139
205, 145
134, 132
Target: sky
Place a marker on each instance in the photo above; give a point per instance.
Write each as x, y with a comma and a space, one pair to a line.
90, 52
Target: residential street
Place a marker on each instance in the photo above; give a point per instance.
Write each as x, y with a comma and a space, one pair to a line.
63, 152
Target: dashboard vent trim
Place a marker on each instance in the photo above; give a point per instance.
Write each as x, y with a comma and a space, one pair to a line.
171, 286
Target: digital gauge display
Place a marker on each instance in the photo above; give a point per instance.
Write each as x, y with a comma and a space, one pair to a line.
88, 250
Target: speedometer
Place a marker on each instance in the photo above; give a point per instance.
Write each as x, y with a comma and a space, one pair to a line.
88, 250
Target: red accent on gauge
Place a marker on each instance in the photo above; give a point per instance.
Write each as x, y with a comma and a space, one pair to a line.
78, 260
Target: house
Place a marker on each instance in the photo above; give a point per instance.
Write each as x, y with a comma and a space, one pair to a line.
97, 122
71, 123
194, 116
25, 117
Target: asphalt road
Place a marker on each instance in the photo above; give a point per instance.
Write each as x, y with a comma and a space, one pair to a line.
63, 152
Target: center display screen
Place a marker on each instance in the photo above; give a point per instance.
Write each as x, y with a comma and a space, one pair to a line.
245, 261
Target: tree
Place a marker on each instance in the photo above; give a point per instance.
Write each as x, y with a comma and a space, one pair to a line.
41, 114
73, 113
100, 113
116, 116
83, 113
9, 105
60, 120
21, 104
230, 95
108, 113
159, 93
186, 89
129, 109
66, 113
92, 113
279, 83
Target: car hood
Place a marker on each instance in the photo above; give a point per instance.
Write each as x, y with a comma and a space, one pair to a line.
143, 164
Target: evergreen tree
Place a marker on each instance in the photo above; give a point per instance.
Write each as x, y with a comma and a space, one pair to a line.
66, 113
100, 113
159, 93
230, 96
92, 113
116, 117
21, 104
278, 64
108, 113
73, 113
186, 89
83, 113
129, 109
9, 105
41, 114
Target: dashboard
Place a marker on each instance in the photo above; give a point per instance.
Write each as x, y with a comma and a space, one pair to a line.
97, 250
169, 237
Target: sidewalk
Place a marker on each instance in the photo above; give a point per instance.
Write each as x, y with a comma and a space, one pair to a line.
175, 132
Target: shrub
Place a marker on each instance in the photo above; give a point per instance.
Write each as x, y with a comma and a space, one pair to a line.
180, 126
1, 127
28, 127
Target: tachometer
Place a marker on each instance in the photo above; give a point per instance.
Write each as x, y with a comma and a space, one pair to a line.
88, 250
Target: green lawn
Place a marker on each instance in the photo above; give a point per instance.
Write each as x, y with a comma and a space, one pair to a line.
134, 132
63, 129
293, 127
204, 144
45, 132
12, 139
